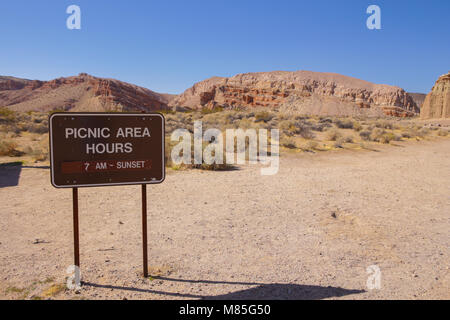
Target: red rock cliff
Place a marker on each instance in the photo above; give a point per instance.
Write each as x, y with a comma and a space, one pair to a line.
300, 91
79, 93
437, 102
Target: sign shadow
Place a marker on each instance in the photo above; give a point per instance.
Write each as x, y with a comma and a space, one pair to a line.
10, 174
260, 291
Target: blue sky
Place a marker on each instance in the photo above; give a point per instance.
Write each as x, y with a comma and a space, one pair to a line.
167, 46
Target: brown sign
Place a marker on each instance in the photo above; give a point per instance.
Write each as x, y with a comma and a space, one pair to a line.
106, 149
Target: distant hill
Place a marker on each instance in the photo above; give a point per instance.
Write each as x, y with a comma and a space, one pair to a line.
303, 92
300, 92
78, 93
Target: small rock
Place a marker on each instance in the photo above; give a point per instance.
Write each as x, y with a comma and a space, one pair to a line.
39, 241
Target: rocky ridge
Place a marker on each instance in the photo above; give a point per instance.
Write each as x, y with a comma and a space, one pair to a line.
78, 93
301, 92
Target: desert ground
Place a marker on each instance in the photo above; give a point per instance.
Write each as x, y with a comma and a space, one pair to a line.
309, 232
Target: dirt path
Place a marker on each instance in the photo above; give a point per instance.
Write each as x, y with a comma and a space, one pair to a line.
309, 232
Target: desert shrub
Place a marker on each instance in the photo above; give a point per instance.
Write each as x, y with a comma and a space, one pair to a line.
320, 127
383, 124
406, 135
305, 132
310, 145
282, 116
333, 135
211, 110
166, 112
7, 115
211, 167
287, 125
58, 110
263, 116
365, 135
301, 128
442, 133
387, 137
339, 143
245, 124
376, 134
344, 124
289, 143
326, 120
357, 126
348, 139
423, 132
410, 132
36, 127
38, 154
8, 148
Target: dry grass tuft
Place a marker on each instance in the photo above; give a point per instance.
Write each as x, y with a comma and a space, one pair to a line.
8, 148
333, 135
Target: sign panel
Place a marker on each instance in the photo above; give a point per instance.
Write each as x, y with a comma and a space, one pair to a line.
106, 149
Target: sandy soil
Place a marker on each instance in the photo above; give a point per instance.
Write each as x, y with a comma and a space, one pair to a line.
309, 232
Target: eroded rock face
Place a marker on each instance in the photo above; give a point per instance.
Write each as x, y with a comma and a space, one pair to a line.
437, 102
301, 91
79, 93
418, 98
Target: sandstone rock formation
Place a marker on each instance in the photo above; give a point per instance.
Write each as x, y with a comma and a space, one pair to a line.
79, 93
418, 98
302, 92
437, 102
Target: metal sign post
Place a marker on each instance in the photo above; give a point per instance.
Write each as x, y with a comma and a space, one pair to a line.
144, 229
76, 234
107, 149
